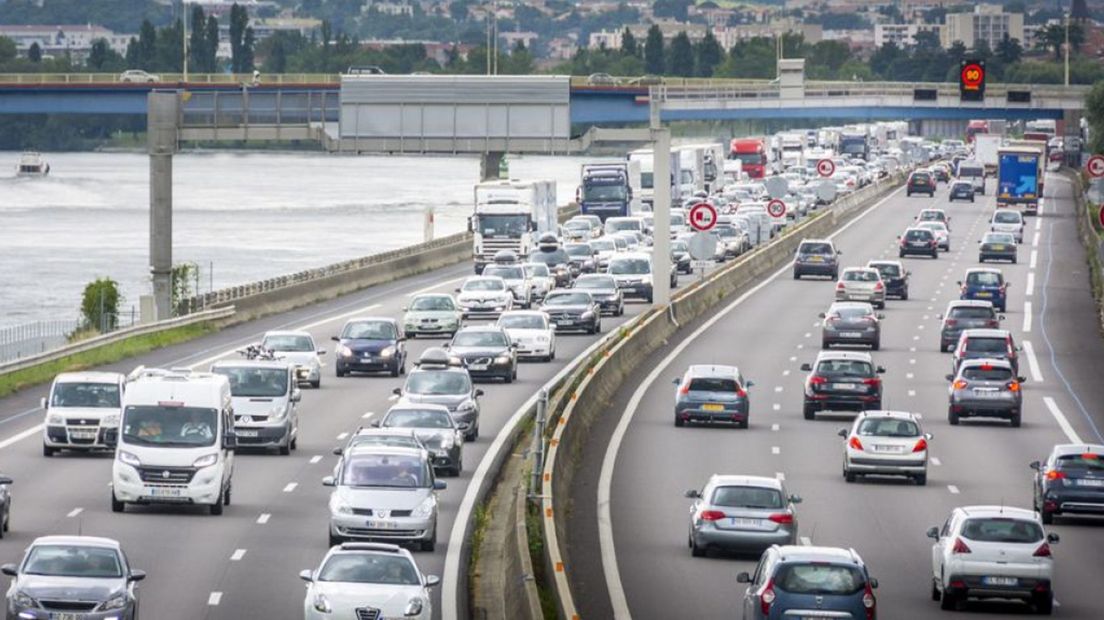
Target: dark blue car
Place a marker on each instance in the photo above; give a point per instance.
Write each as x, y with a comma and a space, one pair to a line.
809, 582
370, 344
985, 285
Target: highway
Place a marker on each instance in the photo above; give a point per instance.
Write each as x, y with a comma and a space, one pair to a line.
644, 569
245, 563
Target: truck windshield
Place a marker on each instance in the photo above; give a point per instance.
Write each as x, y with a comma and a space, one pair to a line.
502, 225
647, 180
604, 193
96, 395
256, 382
170, 427
755, 159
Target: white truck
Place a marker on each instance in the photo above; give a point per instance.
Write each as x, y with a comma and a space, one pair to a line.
643, 162
510, 215
986, 146
792, 150
691, 176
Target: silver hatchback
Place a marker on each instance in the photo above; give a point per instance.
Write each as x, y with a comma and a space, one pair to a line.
741, 513
885, 443
861, 284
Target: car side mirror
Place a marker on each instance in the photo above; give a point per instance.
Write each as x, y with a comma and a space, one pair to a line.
9, 569
513, 345
979, 240
958, 282
796, 499
949, 377
933, 533
749, 383
881, 370
338, 451
928, 436
839, 253
229, 441
1053, 539
478, 393
676, 381
693, 494
432, 580
306, 575
842, 432
445, 346
822, 315
873, 583
329, 481
296, 396
136, 575
456, 290
1036, 465
743, 578
439, 485
397, 391
1022, 379
335, 338
939, 316
374, 424
807, 367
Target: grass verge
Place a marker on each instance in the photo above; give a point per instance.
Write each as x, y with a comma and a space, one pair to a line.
107, 354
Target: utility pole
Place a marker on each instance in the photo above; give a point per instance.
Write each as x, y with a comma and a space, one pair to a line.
1067, 47
184, 38
496, 37
661, 208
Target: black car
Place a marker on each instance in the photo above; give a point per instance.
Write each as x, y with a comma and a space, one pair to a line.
851, 323
604, 290
894, 276
1070, 481
581, 258
997, 246
941, 175
680, 254
573, 310
486, 351
841, 380
370, 345
918, 241
816, 257
557, 261
962, 190
921, 182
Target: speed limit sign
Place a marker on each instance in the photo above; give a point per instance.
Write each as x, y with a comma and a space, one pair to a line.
826, 168
776, 208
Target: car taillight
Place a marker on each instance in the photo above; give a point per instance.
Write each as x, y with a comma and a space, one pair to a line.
951, 322
993, 323
1013, 386
817, 380
741, 392
1043, 551
1055, 475
960, 384
840, 286
855, 444
783, 518
869, 602
878, 286
712, 515
902, 242
921, 445
684, 389
872, 381
960, 547
766, 598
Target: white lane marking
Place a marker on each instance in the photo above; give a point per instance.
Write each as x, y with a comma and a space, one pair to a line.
776, 450
776, 407
912, 392
778, 388
618, 601
314, 459
935, 461
1032, 362
920, 326
367, 414
342, 436
1039, 222
807, 334
774, 427
927, 316
801, 346
916, 337
215, 598
1034, 259
1035, 239
34, 430
435, 286
261, 520
779, 475
806, 541
793, 358
912, 349
290, 487
909, 375
912, 360
953, 489
74, 512
786, 373
1029, 289
1062, 421
237, 555
931, 307
1027, 317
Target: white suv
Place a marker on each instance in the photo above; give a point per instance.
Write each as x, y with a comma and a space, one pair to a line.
992, 552
367, 580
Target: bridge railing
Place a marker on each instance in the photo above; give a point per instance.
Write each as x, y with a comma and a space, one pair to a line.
725, 90
169, 78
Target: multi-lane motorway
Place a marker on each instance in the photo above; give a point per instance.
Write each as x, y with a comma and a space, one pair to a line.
640, 564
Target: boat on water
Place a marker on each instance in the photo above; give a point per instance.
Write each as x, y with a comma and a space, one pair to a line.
32, 164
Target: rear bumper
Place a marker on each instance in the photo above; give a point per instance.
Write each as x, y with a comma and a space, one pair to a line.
705, 536
985, 409
898, 466
815, 269
973, 586
730, 415
836, 402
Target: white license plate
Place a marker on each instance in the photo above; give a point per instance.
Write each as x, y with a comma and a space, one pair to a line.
918, 244
745, 522
844, 386
1000, 581
1084, 482
888, 449
241, 432
563, 324
478, 367
382, 525
987, 394
66, 616
82, 434
851, 334
164, 492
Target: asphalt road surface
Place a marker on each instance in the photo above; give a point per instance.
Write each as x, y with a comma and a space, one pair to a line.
769, 334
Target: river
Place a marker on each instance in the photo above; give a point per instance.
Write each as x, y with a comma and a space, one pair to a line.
239, 216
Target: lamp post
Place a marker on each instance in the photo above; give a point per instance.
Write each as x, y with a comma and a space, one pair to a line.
1067, 47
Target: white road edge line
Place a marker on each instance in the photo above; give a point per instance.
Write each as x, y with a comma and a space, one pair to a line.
1032, 362
74, 512
618, 601
1034, 259
953, 489
1067, 428
1027, 317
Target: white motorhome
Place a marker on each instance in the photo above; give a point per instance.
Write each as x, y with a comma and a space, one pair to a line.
510, 215
82, 411
176, 441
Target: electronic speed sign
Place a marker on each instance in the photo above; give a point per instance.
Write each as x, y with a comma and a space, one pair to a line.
971, 80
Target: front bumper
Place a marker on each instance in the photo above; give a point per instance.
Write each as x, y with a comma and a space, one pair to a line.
490, 370
401, 529
23, 613
573, 323
436, 327
265, 436
205, 487
80, 437
532, 348
483, 312
636, 291
366, 362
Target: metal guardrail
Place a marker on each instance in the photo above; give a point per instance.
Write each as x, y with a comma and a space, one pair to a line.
27, 339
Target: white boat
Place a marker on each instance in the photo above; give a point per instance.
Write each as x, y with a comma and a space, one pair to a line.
32, 164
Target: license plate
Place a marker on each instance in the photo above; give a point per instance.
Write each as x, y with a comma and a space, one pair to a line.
367, 358
918, 244
712, 407
1090, 483
844, 386
66, 616
999, 247
382, 525
851, 334
241, 432
987, 394
887, 449
816, 259
984, 294
478, 367
82, 434
1000, 581
164, 492
745, 522
563, 324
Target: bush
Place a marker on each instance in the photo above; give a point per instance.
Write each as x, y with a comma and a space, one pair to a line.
100, 305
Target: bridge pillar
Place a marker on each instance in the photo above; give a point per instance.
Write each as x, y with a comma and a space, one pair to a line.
490, 165
661, 207
162, 129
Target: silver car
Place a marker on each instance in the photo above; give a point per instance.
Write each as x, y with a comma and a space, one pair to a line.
63, 577
861, 284
435, 429
386, 494
431, 314
298, 348
1008, 221
885, 443
741, 513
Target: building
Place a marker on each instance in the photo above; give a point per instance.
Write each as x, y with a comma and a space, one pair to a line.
608, 39
57, 40
562, 48
987, 22
395, 9
510, 39
730, 35
903, 35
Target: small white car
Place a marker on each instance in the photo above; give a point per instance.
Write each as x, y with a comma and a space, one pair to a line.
367, 580
532, 332
885, 443
484, 297
992, 552
1008, 221
137, 75
540, 278
298, 348
82, 411
942, 235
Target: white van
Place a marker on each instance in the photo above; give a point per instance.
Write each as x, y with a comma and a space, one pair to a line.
761, 222
265, 396
82, 411
176, 441
617, 224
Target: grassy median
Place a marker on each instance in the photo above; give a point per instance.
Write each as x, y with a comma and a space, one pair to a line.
107, 354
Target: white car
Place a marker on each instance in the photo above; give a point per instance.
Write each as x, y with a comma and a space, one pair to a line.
1008, 221
861, 284
367, 580
484, 297
297, 347
540, 279
885, 443
942, 235
992, 552
82, 411
532, 332
137, 75
516, 280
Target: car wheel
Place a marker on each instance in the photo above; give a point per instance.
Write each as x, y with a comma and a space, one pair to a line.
848, 475
904, 295
1015, 420
431, 544
226, 496
679, 421
116, 505
934, 591
922, 479
810, 413
695, 550
621, 310
47, 450
335, 540
316, 384
508, 377
900, 254
1044, 604
953, 418
216, 508
935, 253
598, 326
1047, 517
824, 344
294, 443
876, 345
797, 276
981, 259
338, 372
285, 450
948, 601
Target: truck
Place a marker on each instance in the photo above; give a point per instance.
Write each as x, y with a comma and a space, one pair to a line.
986, 146
854, 144
509, 215
753, 154
642, 164
792, 150
715, 180
1019, 178
1040, 146
691, 173
604, 190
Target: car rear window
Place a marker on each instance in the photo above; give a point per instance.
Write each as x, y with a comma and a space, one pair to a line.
984, 278
888, 271
819, 578
999, 238
860, 276
918, 235
1007, 217
713, 384
889, 427
971, 312
746, 497
815, 248
981, 373
932, 216
920, 176
852, 312
987, 345
851, 368
1002, 530
1087, 460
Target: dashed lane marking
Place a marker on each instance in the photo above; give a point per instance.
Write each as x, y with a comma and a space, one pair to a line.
215, 598
261, 520
237, 555
935, 461
776, 450
1027, 317
315, 459
1066, 427
1029, 288
953, 489
290, 487
1032, 362
74, 512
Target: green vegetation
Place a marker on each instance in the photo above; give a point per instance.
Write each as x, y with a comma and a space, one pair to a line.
1094, 115
100, 305
107, 354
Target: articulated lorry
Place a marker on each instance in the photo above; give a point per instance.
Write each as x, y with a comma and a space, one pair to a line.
1020, 172
511, 215
605, 189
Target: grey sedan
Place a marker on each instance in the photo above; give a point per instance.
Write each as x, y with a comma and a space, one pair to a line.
997, 246
741, 513
851, 323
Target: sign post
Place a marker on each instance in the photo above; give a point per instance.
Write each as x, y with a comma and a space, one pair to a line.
702, 246
776, 208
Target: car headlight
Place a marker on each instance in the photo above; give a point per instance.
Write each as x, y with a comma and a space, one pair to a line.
388, 352
542, 338
468, 405
447, 441
413, 608
21, 599
129, 459
321, 604
425, 509
340, 506
55, 419
205, 461
647, 280
502, 359
111, 419
278, 412
118, 601
344, 351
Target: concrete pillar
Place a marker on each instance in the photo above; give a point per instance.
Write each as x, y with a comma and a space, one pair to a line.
490, 165
162, 125
661, 211
428, 224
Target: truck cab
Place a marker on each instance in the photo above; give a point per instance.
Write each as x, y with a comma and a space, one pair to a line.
605, 190
176, 441
82, 412
509, 214
752, 153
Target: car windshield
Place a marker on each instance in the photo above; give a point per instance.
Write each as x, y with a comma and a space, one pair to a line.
418, 418
678, 219
438, 382
932, 216
619, 225
962, 185
582, 250
630, 266
295, 344
1086, 460
522, 321
502, 225
725, 230
535, 270
888, 427
93, 395
918, 235
852, 312
255, 382
1006, 217
986, 373
603, 245
888, 270
987, 345
999, 238
170, 426
920, 176
568, 299
369, 330
819, 578
984, 278
815, 248
597, 282
430, 304
73, 561
553, 258
680, 246
845, 368
1002, 530
971, 312
376, 568
713, 384
484, 285
479, 339
746, 497
577, 225
385, 470
861, 276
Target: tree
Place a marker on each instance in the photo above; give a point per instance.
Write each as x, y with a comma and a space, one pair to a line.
34, 53
99, 56
147, 46
169, 56
276, 60
709, 55
8, 50
239, 21
675, 9
197, 40
520, 61
458, 11
248, 44
682, 56
1094, 115
653, 51
1054, 37
210, 52
100, 304
628, 43
1009, 50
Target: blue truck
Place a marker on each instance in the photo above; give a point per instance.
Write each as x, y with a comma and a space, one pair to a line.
605, 190
1019, 178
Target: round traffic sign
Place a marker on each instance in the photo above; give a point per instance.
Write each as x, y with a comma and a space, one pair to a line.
703, 217
826, 168
826, 191
973, 74
1095, 166
776, 208
702, 246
